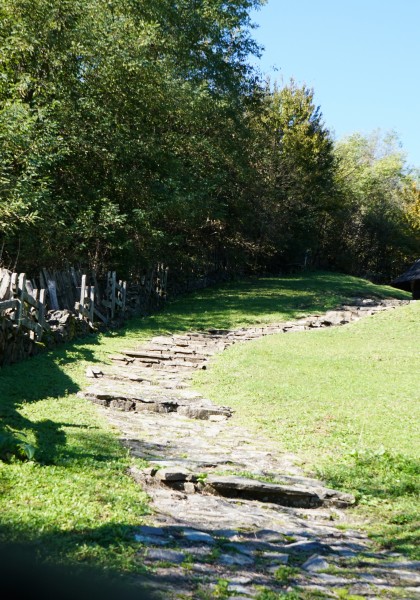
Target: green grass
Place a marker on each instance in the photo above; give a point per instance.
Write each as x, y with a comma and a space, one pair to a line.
75, 501
266, 300
346, 400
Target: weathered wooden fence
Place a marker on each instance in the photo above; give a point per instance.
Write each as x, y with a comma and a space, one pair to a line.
32, 307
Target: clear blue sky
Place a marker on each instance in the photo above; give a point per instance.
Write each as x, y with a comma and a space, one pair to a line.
361, 57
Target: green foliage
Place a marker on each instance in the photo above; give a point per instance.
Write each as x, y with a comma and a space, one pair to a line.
387, 483
284, 574
121, 125
264, 300
344, 594
295, 162
15, 446
132, 132
221, 589
378, 220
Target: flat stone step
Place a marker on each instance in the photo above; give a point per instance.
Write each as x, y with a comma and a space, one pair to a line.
286, 495
120, 358
182, 350
162, 339
144, 354
129, 377
191, 405
187, 364
213, 332
107, 395
205, 412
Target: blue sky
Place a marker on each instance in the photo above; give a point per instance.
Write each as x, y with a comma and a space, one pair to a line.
361, 57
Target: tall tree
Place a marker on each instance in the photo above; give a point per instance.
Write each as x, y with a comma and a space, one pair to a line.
296, 165
375, 235
119, 123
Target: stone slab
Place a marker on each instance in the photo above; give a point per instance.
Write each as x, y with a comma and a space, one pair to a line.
296, 496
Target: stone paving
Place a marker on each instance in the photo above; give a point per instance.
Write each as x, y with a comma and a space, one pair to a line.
231, 517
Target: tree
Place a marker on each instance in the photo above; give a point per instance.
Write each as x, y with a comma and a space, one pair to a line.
295, 162
119, 125
377, 192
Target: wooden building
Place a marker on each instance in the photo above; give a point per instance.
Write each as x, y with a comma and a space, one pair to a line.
410, 280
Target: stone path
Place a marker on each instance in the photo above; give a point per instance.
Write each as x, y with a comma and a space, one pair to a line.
233, 518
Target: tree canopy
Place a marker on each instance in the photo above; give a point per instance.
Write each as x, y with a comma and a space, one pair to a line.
136, 130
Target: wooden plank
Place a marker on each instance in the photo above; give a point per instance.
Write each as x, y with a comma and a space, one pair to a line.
29, 288
150, 284
74, 277
21, 294
52, 290
83, 291
68, 286
53, 294
5, 285
14, 283
97, 288
124, 295
29, 299
113, 284
32, 325
41, 310
42, 281
56, 276
61, 284
165, 280
100, 315
5, 304
66, 299
92, 302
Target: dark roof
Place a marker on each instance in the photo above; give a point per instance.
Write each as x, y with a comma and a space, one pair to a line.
403, 282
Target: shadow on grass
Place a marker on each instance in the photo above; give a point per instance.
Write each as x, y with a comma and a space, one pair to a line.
28, 577
31, 381
258, 299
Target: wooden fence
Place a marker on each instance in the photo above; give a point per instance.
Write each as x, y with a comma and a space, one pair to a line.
23, 305
28, 305
26, 301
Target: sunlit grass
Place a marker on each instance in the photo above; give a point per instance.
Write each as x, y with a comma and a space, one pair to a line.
344, 399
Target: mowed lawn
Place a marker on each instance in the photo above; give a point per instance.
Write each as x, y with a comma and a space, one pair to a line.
346, 400
75, 501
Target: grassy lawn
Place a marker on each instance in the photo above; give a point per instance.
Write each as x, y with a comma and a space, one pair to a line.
74, 500
346, 400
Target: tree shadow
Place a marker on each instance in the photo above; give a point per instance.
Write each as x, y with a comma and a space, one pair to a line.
164, 562
255, 299
31, 381
25, 575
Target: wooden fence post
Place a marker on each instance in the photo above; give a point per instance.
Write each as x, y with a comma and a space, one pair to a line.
82, 294
21, 298
41, 312
124, 296
113, 284
92, 303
